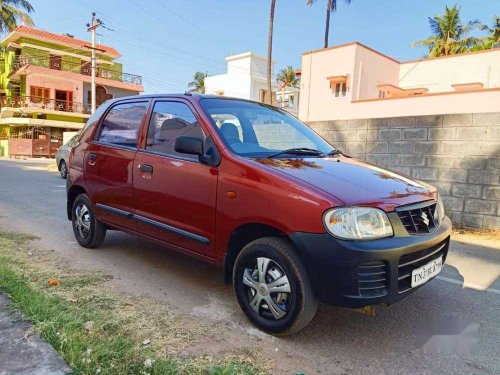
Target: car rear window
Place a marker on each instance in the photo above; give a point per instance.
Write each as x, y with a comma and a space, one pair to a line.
122, 124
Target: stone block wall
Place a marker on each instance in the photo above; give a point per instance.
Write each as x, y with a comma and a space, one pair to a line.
457, 153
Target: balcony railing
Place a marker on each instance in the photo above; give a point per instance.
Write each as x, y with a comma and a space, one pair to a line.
67, 66
29, 102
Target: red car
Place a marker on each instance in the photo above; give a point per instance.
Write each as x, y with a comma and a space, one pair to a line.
246, 186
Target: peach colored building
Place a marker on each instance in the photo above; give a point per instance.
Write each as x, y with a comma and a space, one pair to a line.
353, 81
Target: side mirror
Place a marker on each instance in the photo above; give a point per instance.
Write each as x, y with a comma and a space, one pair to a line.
189, 145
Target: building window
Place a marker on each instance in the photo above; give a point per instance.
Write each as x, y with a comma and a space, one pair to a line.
39, 94
339, 85
340, 89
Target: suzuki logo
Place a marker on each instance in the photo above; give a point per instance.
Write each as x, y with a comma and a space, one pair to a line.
424, 218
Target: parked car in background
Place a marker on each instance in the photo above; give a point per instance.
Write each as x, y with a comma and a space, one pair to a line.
246, 186
62, 156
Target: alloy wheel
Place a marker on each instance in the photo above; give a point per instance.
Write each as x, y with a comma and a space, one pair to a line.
63, 170
268, 289
82, 220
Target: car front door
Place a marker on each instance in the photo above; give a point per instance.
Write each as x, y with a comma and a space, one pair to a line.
175, 194
109, 162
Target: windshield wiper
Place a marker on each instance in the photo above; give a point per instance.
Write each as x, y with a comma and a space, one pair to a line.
334, 152
297, 151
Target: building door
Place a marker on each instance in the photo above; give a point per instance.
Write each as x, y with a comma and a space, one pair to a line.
174, 194
64, 100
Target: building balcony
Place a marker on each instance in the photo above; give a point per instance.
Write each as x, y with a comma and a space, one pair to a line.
79, 68
25, 106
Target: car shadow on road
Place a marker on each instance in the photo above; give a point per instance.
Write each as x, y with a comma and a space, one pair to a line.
199, 280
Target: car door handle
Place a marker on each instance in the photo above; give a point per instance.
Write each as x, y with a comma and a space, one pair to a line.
147, 168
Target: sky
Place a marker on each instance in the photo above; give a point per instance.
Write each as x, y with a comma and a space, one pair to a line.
167, 41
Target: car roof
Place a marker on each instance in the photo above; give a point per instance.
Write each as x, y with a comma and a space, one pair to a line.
187, 96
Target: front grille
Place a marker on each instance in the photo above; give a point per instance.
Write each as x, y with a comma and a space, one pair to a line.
409, 262
372, 279
419, 220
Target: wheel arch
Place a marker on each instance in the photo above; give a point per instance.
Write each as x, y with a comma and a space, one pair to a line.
243, 235
73, 192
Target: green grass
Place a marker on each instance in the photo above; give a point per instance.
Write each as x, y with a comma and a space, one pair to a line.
114, 345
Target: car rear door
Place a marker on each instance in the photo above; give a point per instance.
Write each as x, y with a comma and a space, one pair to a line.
109, 162
174, 194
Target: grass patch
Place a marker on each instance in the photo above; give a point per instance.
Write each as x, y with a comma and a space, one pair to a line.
97, 331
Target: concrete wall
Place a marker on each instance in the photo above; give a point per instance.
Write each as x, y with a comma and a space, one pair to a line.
55, 84
317, 99
245, 77
372, 69
439, 74
366, 68
237, 85
117, 92
457, 153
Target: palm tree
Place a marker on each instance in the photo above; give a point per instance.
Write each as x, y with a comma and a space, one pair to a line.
197, 85
331, 6
13, 11
286, 78
494, 36
450, 35
269, 96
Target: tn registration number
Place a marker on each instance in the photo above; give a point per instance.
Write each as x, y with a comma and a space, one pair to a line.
422, 274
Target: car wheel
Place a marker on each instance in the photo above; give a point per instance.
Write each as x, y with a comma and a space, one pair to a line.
63, 169
89, 231
272, 286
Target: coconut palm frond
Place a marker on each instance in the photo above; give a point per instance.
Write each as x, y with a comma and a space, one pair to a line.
197, 85
14, 11
450, 34
287, 77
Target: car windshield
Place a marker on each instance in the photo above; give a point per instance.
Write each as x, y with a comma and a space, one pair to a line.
257, 130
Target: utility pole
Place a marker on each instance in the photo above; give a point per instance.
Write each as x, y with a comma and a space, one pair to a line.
96, 22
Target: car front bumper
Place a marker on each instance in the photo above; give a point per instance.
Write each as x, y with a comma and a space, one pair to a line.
362, 273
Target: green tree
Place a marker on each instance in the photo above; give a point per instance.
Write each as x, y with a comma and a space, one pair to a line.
331, 6
450, 35
494, 36
197, 85
12, 12
286, 78
269, 62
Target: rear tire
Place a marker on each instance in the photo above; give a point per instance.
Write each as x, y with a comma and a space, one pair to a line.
63, 169
88, 230
272, 286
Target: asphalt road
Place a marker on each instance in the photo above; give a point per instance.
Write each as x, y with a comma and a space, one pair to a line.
449, 326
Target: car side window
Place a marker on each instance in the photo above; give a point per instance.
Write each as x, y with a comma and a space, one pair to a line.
71, 142
170, 120
122, 124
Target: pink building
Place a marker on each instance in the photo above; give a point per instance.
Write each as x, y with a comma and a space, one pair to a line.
353, 81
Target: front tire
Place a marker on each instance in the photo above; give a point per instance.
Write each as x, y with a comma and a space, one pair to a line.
272, 286
63, 169
88, 230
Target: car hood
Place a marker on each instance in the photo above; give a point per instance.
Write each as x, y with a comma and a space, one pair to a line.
355, 182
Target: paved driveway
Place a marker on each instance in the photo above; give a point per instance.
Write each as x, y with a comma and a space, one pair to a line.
461, 307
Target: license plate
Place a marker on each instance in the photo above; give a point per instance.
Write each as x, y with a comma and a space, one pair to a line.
422, 274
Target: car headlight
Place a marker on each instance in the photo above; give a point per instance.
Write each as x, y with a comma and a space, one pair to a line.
439, 211
355, 223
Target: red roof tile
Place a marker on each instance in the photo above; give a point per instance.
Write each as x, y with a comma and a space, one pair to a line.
63, 39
